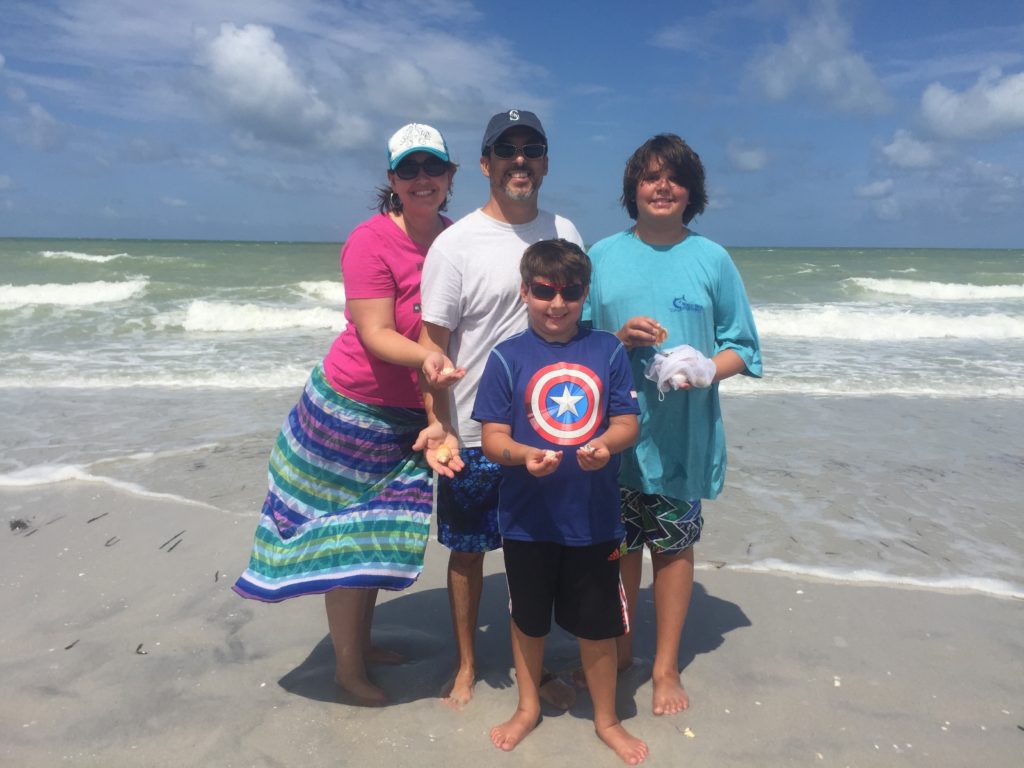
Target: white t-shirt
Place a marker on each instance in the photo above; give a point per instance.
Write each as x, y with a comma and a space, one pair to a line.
471, 287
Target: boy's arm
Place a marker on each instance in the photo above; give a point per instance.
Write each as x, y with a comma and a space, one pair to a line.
499, 447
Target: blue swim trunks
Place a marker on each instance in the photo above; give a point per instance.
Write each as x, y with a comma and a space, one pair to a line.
467, 505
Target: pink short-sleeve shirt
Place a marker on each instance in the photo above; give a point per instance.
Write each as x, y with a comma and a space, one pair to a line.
378, 261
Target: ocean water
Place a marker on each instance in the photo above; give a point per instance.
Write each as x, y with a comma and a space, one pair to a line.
884, 442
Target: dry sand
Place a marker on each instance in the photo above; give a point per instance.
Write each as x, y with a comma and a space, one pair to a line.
123, 645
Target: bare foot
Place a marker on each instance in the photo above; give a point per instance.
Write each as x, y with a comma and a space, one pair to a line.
458, 691
630, 749
507, 735
556, 691
669, 695
375, 654
359, 691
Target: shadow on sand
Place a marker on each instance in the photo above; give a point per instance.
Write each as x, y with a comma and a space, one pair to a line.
418, 625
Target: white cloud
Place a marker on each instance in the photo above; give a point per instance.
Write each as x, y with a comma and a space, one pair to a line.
746, 158
173, 202
250, 78
816, 59
887, 209
993, 106
875, 189
5, 181
992, 175
36, 128
682, 37
904, 151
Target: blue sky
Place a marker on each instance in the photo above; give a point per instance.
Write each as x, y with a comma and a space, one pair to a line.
820, 123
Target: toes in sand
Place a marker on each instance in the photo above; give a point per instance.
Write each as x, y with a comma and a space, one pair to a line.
458, 691
359, 692
507, 735
669, 696
630, 749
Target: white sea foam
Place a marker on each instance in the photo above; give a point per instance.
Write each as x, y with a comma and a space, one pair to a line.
331, 291
49, 474
994, 587
72, 294
744, 386
872, 324
919, 289
276, 377
82, 256
219, 316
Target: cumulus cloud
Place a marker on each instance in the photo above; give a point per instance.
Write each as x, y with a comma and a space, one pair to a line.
993, 106
817, 60
904, 151
250, 78
875, 189
746, 158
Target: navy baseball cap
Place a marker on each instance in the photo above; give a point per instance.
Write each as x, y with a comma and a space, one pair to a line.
502, 121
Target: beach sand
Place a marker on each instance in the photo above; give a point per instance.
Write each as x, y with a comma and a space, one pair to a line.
123, 645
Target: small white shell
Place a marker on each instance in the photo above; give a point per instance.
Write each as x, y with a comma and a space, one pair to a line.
443, 454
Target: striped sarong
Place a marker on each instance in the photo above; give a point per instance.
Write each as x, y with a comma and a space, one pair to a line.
349, 501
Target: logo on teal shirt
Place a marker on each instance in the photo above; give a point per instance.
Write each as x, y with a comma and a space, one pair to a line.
680, 304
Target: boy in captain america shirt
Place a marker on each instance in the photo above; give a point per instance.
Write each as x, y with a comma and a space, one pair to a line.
558, 404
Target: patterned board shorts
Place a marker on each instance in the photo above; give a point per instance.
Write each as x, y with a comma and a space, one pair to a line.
467, 505
664, 524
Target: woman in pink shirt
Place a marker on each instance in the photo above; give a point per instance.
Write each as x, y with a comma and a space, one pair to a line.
348, 510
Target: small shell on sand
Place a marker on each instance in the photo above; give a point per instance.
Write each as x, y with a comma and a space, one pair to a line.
443, 454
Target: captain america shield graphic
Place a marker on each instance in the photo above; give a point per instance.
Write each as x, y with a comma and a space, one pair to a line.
563, 403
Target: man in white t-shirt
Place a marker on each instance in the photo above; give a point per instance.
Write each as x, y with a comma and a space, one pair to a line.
470, 298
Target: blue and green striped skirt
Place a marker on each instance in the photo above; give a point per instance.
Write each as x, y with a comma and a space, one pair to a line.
349, 501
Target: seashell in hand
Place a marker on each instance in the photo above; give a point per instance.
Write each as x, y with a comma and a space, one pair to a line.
443, 454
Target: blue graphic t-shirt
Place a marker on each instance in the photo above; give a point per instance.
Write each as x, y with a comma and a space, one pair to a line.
558, 396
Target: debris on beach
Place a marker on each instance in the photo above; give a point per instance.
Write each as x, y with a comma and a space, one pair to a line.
69, 647
178, 536
688, 733
139, 650
17, 524
94, 519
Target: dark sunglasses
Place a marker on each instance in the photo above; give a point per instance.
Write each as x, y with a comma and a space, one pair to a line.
530, 151
547, 291
408, 170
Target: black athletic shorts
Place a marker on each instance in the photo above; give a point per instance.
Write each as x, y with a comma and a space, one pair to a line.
581, 584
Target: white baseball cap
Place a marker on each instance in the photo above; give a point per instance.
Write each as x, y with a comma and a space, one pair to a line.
416, 137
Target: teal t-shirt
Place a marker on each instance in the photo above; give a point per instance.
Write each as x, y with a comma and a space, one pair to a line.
693, 290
